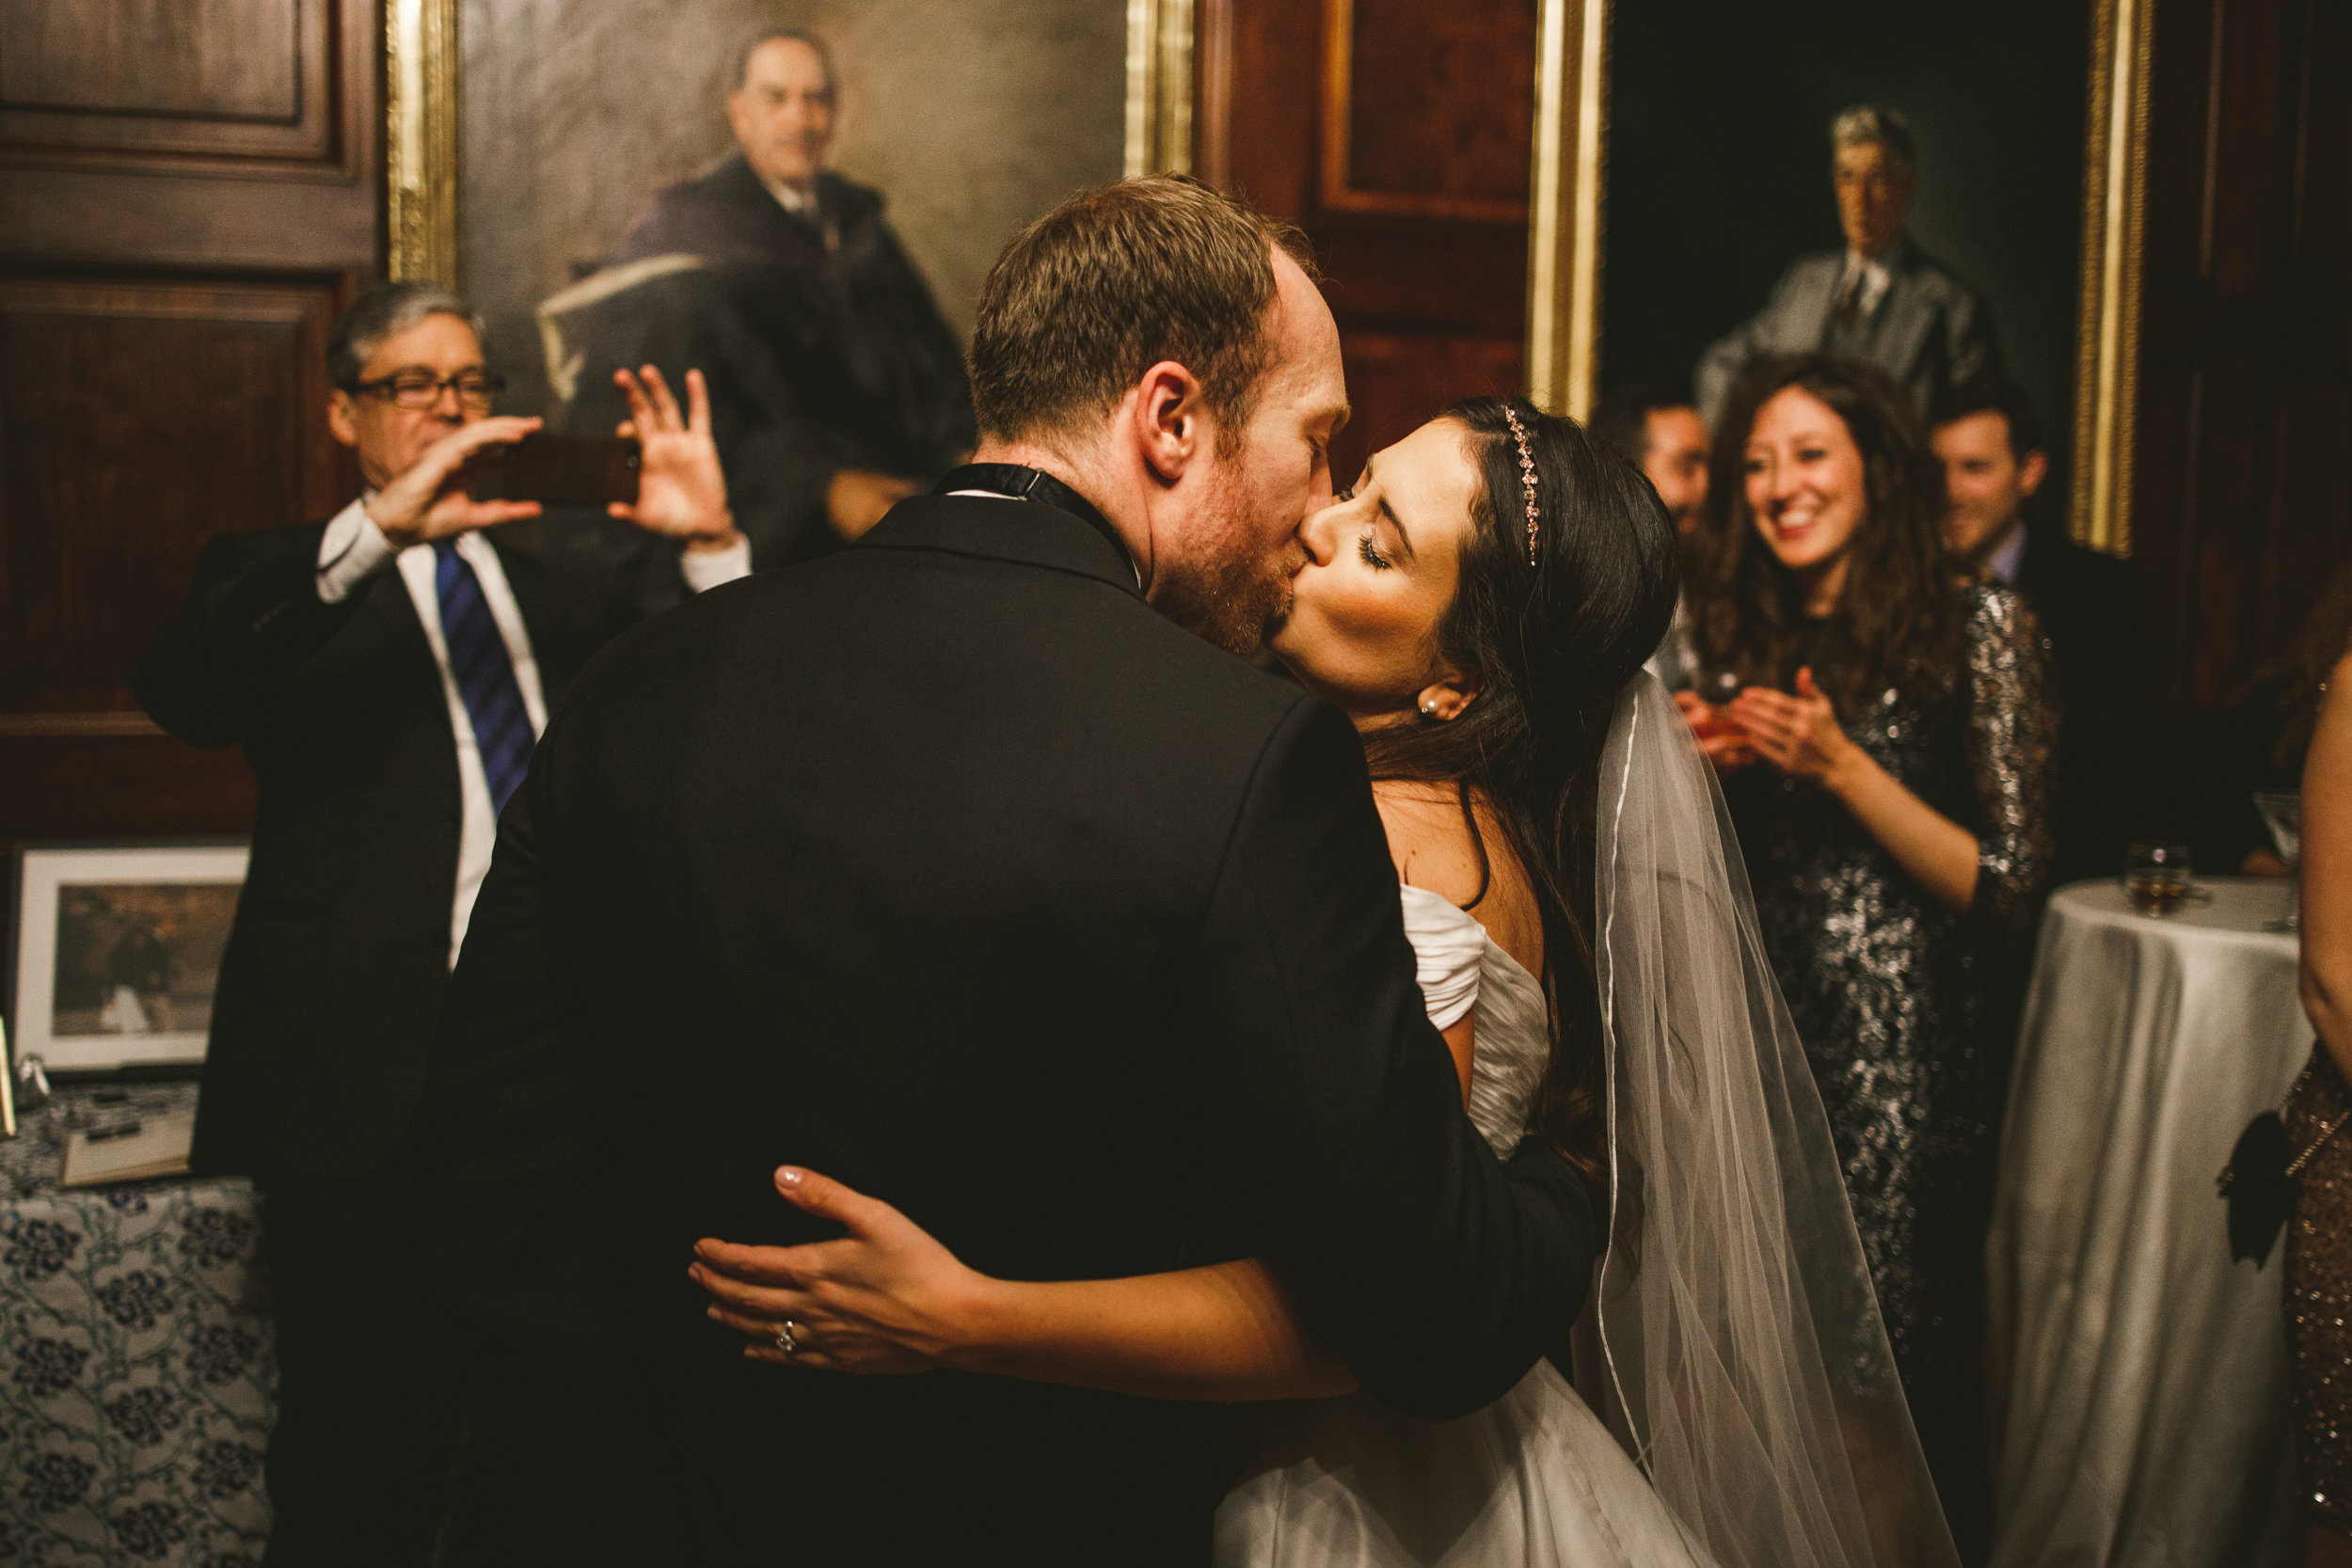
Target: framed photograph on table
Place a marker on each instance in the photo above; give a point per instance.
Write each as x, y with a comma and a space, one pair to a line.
118, 949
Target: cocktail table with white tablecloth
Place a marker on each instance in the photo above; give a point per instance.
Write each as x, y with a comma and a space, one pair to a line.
2139, 1409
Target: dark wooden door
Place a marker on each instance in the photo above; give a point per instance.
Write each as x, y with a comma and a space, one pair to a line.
2242, 488
1397, 133
189, 190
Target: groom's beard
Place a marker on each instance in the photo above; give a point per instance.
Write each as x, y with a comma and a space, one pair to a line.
1235, 603
1231, 587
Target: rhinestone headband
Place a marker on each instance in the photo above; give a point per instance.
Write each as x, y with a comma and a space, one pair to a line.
1527, 476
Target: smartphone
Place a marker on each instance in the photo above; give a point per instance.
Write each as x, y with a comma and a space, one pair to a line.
566, 470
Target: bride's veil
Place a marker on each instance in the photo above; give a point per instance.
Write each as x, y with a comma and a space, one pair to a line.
1741, 1360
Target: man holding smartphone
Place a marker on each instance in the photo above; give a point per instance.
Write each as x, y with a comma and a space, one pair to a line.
387, 672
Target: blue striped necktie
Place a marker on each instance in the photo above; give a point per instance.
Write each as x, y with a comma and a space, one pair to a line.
485, 673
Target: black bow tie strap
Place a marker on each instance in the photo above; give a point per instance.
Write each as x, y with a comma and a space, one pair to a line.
1024, 483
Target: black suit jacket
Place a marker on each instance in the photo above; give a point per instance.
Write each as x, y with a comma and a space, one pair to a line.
947, 867
2096, 615
335, 969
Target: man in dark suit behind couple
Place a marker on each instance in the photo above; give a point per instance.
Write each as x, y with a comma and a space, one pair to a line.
947, 867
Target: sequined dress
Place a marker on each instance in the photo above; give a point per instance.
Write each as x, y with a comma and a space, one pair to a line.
2319, 1291
1907, 1010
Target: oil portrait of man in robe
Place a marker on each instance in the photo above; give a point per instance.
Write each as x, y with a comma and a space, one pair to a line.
796, 198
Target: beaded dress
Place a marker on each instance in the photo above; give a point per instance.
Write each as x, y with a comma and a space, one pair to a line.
2319, 1291
1908, 1011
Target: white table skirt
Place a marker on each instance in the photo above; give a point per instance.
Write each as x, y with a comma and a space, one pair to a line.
2138, 1397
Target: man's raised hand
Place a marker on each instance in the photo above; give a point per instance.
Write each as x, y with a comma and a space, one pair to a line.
681, 489
429, 501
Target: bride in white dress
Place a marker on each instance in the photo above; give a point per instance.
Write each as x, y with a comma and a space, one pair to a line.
1480, 604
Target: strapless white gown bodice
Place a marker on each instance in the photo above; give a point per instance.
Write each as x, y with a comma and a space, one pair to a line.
1461, 968
1535, 1479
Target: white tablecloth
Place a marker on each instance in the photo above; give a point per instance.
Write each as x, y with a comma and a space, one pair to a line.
2138, 1396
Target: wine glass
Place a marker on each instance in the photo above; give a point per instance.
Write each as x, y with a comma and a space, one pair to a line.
2282, 814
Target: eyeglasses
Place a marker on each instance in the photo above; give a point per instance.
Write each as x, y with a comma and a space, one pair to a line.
418, 390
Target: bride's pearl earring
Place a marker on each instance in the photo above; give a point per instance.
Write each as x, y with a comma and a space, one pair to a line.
1429, 709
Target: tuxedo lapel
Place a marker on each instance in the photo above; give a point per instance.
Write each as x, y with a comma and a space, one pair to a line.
559, 641
1812, 298
393, 613
1905, 317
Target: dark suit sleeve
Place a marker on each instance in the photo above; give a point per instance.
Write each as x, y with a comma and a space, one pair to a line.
1723, 361
252, 619
1438, 1274
520, 1202
1970, 348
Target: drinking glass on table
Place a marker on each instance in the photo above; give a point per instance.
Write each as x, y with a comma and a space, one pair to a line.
2157, 878
2282, 814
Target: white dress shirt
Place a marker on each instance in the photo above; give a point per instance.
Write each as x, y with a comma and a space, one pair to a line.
2005, 564
1876, 280
791, 197
802, 203
354, 549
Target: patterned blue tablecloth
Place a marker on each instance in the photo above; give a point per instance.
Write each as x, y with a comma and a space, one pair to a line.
137, 1374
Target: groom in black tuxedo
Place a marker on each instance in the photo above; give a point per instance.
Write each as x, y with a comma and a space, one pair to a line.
947, 867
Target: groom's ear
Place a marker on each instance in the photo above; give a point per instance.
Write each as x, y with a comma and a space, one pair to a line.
1169, 421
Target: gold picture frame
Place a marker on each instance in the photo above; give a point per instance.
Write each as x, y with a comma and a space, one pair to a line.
1567, 176
2106, 342
421, 140
1565, 229
1159, 86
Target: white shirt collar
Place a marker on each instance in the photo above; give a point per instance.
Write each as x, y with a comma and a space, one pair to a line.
793, 198
1876, 278
2004, 562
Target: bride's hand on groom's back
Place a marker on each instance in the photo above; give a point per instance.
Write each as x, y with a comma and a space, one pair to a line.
883, 1298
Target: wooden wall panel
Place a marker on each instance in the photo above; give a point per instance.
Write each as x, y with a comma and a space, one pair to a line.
125, 787
189, 190
1407, 169
137, 418
105, 79
1428, 110
1397, 380
208, 59
2242, 503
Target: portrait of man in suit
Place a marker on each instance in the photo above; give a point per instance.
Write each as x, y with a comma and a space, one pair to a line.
1881, 300
838, 387
387, 672
800, 198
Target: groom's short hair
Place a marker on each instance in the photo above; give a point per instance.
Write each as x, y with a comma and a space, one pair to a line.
1115, 280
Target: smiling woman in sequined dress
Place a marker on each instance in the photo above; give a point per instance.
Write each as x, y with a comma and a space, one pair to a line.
1888, 760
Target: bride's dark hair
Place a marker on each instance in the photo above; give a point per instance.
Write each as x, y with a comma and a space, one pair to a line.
1554, 643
